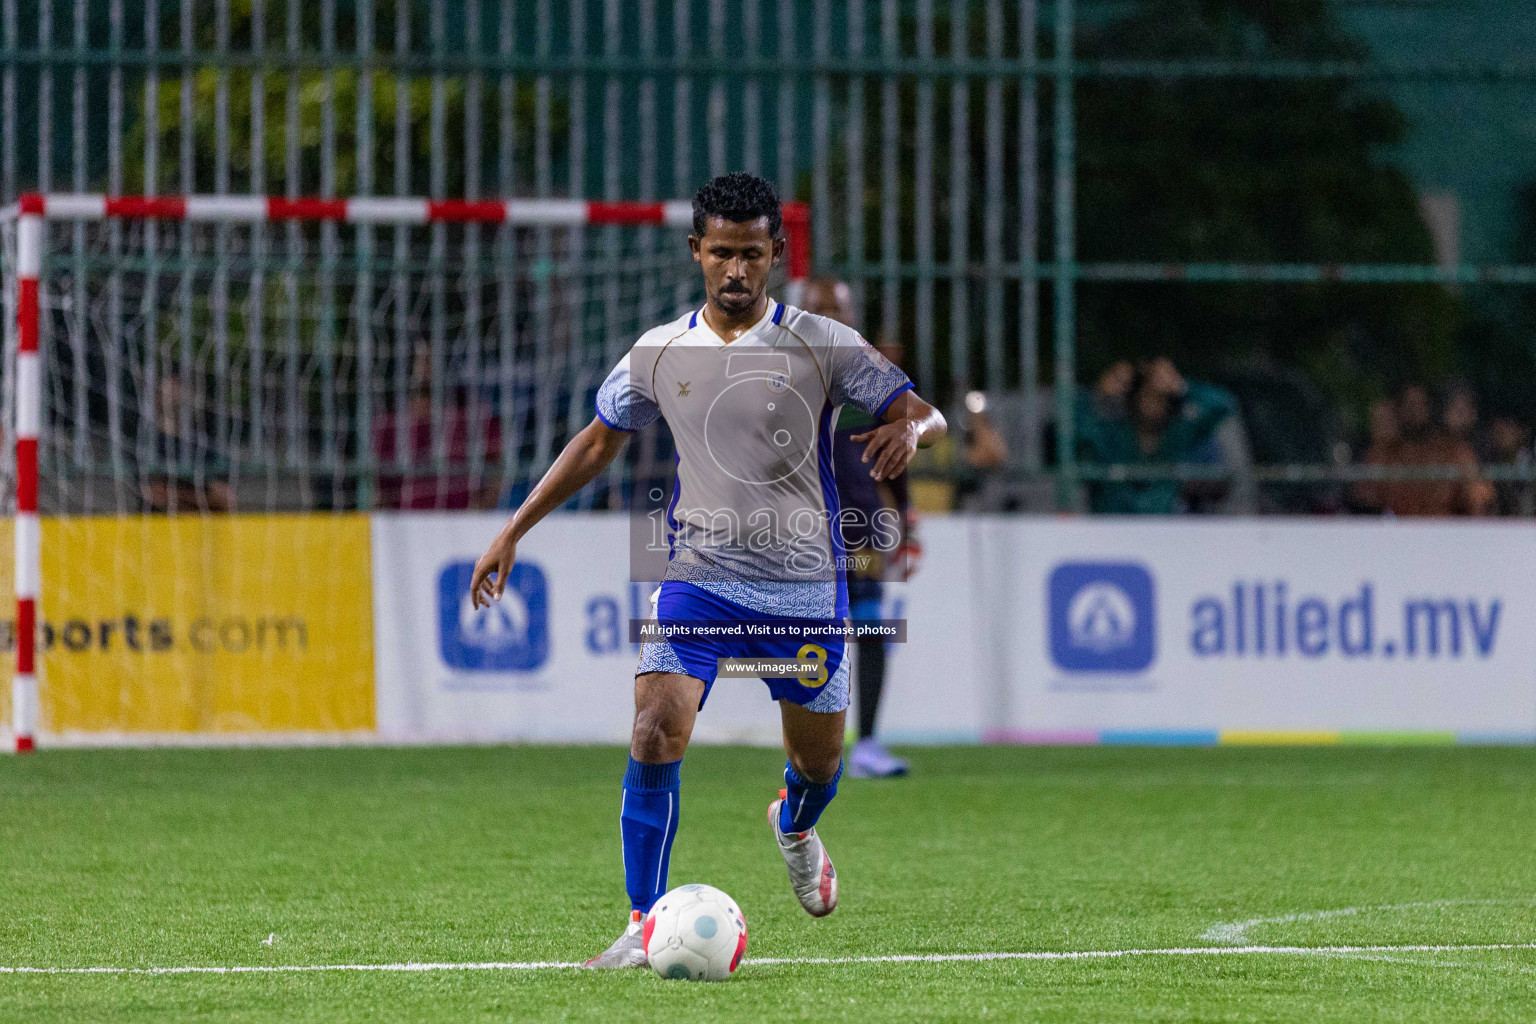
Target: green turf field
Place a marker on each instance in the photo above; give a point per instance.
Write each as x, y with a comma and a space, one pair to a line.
354, 856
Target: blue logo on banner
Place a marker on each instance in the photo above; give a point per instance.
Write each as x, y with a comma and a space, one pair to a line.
512, 635
1101, 617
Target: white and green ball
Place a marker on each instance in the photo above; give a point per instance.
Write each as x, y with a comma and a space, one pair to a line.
695, 933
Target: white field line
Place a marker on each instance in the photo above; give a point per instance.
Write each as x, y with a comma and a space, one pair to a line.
1236, 932
1430, 960
1415, 959
924, 958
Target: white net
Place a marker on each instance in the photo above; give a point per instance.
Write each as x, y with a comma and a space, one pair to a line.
297, 367
190, 370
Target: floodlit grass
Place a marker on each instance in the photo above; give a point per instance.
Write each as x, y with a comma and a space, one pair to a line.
355, 856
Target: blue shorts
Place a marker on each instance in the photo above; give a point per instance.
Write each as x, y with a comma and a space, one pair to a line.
678, 602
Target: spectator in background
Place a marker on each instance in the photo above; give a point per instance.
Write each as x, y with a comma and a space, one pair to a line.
1419, 441
1381, 436
1148, 415
426, 485
1504, 442
1509, 444
983, 483
1460, 417
985, 447
190, 476
1383, 429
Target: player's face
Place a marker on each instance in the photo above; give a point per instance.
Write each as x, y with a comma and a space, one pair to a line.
736, 257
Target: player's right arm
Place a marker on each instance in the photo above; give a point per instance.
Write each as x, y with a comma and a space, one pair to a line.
624, 405
587, 455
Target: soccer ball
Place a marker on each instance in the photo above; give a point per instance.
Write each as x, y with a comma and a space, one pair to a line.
695, 933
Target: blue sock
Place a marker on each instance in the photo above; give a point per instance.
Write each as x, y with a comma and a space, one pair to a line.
648, 823
804, 801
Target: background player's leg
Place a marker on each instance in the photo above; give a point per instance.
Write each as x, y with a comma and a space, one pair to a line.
870, 759
666, 705
870, 666
814, 742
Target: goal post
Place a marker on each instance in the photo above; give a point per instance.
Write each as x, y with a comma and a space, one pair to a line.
199, 343
27, 401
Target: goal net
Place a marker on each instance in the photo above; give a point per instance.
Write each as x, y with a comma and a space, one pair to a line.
206, 395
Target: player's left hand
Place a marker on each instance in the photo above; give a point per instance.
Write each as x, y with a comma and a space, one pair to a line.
891, 446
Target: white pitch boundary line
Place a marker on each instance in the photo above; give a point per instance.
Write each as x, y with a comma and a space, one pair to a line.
904, 958
1236, 932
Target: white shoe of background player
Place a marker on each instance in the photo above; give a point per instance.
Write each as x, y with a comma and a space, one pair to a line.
872, 761
811, 874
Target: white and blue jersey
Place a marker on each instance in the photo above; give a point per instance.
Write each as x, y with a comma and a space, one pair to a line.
753, 516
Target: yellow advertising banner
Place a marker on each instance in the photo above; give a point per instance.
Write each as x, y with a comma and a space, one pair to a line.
200, 624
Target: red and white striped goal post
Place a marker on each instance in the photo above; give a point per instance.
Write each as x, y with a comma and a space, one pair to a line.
32, 210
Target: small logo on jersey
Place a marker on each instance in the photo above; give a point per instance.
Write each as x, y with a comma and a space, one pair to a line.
776, 381
511, 635
1101, 617
682, 388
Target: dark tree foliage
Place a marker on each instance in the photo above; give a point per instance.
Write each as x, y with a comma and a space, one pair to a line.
1498, 357
1252, 170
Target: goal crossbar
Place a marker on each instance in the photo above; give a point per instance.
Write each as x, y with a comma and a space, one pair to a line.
379, 210
31, 211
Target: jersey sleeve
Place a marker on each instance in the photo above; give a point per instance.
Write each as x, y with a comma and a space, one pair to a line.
862, 377
625, 402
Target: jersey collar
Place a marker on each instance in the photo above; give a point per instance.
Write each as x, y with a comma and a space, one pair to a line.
773, 315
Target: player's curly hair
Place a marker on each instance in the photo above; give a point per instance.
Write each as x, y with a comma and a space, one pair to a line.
738, 197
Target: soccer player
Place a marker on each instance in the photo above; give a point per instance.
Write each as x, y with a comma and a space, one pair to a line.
881, 531
749, 388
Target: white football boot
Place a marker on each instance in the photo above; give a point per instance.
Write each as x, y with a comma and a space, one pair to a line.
628, 951
811, 874
872, 761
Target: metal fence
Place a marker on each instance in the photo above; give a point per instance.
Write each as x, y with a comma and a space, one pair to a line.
913, 128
